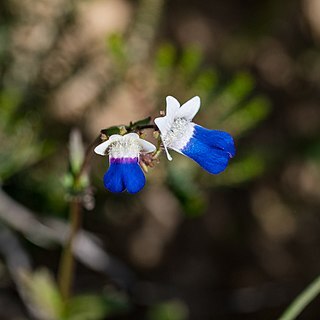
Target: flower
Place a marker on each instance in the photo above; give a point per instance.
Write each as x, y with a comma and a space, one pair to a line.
124, 172
211, 149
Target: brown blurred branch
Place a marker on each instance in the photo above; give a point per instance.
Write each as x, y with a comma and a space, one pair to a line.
54, 231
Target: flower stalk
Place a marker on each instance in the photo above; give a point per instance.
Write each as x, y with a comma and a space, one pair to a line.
77, 184
67, 264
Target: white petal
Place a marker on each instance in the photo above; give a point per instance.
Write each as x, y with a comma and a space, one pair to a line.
147, 146
189, 109
131, 135
173, 106
102, 147
115, 137
164, 124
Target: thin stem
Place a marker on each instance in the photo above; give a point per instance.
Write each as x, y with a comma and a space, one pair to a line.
66, 269
302, 300
147, 126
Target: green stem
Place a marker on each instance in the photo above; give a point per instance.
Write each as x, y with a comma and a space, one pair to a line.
66, 269
302, 300
67, 263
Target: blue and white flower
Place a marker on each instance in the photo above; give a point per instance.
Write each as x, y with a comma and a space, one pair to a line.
124, 171
211, 149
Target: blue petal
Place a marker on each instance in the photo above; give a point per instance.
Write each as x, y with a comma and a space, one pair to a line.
215, 138
209, 158
133, 177
113, 178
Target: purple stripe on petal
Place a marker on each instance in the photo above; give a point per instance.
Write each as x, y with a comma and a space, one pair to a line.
123, 160
124, 174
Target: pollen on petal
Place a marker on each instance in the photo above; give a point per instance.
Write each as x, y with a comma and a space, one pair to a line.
212, 159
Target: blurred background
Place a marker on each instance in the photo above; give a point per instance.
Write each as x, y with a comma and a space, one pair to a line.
240, 245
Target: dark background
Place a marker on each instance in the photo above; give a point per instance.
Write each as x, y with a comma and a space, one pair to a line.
241, 245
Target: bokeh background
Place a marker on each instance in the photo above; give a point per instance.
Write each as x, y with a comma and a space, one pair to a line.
240, 245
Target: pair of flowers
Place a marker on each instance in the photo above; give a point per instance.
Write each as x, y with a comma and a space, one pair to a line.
211, 149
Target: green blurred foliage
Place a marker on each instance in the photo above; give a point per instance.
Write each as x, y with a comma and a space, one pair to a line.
21, 146
181, 179
42, 294
116, 47
164, 61
37, 170
169, 310
86, 307
75, 181
45, 301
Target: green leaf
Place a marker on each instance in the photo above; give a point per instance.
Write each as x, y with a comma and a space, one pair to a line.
87, 307
171, 310
41, 290
142, 122
111, 130
95, 307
